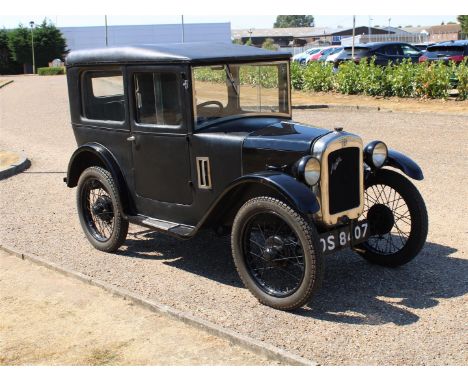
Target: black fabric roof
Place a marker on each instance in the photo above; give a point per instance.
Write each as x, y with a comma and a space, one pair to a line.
172, 53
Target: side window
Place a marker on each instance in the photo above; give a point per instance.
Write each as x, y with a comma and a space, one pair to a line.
409, 50
388, 50
103, 95
157, 97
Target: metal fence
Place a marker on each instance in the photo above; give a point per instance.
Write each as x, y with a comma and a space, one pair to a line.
413, 38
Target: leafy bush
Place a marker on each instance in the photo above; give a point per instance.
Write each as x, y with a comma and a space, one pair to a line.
400, 80
297, 76
461, 75
318, 76
51, 71
347, 78
433, 80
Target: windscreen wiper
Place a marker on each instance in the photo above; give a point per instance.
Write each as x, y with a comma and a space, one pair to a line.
231, 80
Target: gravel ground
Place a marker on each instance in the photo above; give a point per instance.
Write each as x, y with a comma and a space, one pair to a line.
57, 320
364, 314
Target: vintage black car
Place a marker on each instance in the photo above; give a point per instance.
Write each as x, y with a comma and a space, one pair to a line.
184, 137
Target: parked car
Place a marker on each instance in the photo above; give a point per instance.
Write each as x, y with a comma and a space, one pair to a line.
170, 139
447, 51
301, 58
334, 55
384, 53
316, 56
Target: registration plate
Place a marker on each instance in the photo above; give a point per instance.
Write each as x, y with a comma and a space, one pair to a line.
343, 237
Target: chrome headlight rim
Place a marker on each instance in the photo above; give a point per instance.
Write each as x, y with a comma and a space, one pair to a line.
376, 154
308, 170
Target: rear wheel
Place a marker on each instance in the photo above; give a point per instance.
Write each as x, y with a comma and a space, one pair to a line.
397, 219
99, 207
276, 253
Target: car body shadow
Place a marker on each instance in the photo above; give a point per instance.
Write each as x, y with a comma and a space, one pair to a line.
353, 292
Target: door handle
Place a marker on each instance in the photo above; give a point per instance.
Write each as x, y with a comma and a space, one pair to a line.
131, 138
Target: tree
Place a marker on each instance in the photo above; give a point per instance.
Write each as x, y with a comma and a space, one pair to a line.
292, 21
7, 64
48, 44
269, 44
463, 20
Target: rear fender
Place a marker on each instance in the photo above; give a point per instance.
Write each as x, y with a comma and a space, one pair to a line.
95, 154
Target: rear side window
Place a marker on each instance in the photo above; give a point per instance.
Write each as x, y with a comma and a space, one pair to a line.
447, 50
389, 50
103, 95
157, 96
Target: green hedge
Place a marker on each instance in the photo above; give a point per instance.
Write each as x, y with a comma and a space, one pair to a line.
51, 71
425, 80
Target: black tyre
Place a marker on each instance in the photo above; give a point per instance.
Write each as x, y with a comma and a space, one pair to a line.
99, 209
276, 253
397, 219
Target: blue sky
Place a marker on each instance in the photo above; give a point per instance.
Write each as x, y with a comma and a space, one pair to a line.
239, 21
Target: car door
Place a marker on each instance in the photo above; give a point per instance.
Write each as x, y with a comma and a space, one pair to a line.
388, 54
160, 151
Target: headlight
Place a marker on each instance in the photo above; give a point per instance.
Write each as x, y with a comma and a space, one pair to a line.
308, 170
375, 154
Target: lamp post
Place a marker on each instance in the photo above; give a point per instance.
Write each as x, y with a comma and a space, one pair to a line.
31, 23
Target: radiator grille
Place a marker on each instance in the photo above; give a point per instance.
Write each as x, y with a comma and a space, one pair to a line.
343, 174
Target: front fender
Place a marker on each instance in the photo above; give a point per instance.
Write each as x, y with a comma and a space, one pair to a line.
405, 164
297, 193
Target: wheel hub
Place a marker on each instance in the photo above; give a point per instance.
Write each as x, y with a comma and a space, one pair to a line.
381, 219
274, 247
102, 208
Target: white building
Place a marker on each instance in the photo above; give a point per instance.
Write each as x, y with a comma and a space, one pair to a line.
120, 35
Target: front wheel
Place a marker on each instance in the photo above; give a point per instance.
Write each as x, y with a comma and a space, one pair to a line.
397, 218
276, 253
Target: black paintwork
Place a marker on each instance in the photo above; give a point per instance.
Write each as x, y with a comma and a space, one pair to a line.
156, 173
193, 53
405, 164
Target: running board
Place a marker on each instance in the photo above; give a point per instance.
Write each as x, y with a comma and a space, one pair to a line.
171, 228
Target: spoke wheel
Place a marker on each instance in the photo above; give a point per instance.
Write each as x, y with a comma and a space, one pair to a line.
99, 209
274, 249
397, 218
274, 254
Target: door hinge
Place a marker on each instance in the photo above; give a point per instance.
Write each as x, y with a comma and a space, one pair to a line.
185, 84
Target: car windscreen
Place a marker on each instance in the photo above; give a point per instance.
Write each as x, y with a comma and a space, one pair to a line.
236, 90
447, 50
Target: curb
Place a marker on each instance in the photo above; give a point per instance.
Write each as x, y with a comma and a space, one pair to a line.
6, 83
338, 106
256, 346
15, 168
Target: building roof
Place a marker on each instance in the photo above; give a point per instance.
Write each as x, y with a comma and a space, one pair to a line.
196, 53
448, 28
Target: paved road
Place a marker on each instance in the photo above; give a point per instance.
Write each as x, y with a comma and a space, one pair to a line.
364, 314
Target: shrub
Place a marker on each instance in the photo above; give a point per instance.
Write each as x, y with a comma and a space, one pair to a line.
461, 74
401, 79
372, 78
347, 79
433, 80
297, 76
318, 76
51, 71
